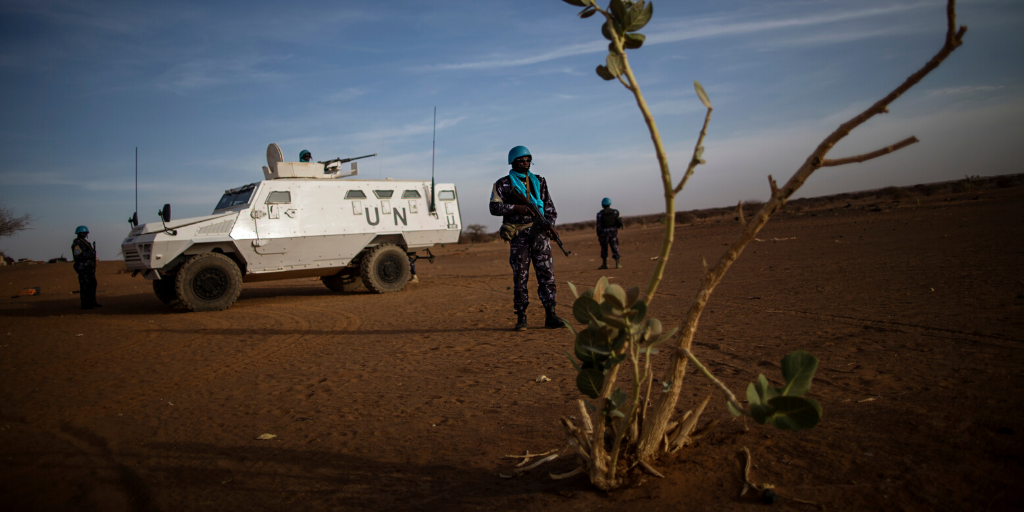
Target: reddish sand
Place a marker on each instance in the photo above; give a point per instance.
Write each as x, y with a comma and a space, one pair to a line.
409, 400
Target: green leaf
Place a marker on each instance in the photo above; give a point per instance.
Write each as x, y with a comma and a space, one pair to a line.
798, 369
639, 311
641, 20
618, 398
578, 3
759, 413
573, 288
753, 396
573, 361
616, 294
633, 41
618, 9
701, 94
569, 325
600, 287
588, 12
648, 350
606, 30
595, 350
589, 382
603, 73
616, 66
794, 413
619, 340
733, 410
584, 339
612, 361
765, 390
612, 314
617, 413
664, 337
615, 321
583, 308
632, 295
654, 326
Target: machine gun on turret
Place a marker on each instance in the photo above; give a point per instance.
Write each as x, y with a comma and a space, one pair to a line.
334, 165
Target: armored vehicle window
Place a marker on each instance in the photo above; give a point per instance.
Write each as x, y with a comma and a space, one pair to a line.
230, 199
383, 194
279, 197
410, 194
355, 194
446, 195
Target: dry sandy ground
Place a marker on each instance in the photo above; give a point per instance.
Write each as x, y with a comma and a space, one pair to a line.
409, 400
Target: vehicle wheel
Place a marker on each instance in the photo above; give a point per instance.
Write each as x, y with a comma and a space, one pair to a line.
342, 282
385, 268
166, 292
208, 282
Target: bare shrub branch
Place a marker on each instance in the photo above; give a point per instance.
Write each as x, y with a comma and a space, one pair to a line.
10, 224
868, 156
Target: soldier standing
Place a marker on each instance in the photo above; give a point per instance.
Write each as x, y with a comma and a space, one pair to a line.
526, 242
85, 265
608, 224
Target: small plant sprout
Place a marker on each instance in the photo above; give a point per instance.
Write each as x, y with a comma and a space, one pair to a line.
632, 427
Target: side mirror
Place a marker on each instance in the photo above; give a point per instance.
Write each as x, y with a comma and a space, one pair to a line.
165, 213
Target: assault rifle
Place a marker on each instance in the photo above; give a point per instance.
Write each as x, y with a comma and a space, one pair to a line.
540, 220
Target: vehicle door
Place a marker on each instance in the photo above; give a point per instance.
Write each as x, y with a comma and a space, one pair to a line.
276, 222
450, 207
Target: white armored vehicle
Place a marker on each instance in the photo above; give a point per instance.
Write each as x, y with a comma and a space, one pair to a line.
302, 220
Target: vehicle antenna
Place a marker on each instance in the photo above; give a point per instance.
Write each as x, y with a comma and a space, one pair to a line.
136, 180
433, 151
134, 219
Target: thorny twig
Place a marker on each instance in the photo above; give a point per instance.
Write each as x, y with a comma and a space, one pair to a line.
518, 470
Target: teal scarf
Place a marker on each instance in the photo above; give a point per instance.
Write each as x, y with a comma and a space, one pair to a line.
517, 183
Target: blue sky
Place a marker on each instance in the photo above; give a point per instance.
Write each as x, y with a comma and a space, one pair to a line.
202, 87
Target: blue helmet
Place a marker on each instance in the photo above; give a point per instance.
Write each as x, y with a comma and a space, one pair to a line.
517, 152
81, 229
305, 152
606, 202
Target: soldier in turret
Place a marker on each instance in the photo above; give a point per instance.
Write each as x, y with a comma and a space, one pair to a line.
85, 265
608, 224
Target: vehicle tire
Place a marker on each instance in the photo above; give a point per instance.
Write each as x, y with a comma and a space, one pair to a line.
342, 282
166, 291
385, 268
208, 282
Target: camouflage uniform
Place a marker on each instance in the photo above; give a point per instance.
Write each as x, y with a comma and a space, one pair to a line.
530, 244
609, 235
85, 266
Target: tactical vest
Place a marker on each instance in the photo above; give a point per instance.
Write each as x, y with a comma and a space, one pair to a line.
610, 219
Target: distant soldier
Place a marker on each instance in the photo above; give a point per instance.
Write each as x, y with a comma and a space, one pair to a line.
527, 242
305, 156
412, 270
85, 266
608, 224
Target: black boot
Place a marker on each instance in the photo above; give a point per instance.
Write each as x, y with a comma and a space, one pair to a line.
617, 263
604, 264
521, 322
551, 320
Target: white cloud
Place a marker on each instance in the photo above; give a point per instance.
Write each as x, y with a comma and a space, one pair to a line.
346, 94
706, 27
962, 90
